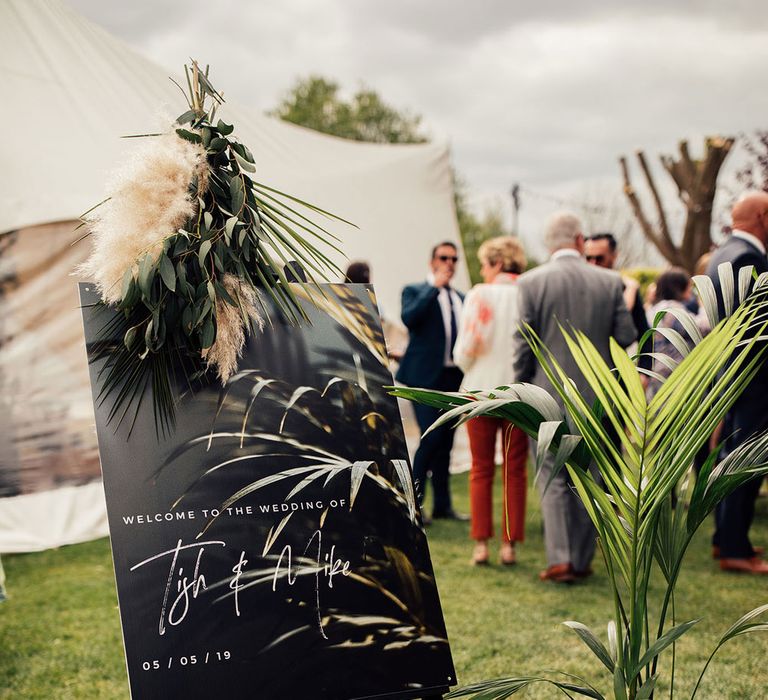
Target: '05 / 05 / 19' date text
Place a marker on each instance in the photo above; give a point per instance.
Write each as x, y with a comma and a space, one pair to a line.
209, 657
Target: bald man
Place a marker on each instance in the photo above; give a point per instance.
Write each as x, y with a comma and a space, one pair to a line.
733, 517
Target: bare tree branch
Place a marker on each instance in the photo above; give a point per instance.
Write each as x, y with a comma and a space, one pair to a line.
669, 245
696, 182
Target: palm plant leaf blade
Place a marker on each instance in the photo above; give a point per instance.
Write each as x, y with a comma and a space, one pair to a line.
662, 643
591, 640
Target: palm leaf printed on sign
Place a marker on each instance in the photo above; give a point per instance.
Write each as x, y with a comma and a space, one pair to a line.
283, 435
630, 503
338, 407
343, 305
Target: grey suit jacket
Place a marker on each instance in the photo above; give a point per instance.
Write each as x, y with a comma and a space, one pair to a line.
569, 292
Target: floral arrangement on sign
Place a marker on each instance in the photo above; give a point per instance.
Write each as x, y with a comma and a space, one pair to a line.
188, 248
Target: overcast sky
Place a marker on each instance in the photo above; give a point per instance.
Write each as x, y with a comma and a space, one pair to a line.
547, 95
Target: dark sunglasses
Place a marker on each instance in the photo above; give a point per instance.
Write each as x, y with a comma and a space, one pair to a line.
596, 258
446, 258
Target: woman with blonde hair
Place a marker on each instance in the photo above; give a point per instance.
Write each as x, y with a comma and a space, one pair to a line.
483, 351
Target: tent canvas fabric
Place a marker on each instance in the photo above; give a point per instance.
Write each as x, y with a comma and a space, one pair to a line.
72, 90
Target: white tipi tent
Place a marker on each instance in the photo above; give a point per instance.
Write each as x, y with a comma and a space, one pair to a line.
70, 91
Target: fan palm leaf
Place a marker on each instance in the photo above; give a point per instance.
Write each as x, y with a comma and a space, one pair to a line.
628, 458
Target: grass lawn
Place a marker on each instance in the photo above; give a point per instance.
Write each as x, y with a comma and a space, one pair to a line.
60, 632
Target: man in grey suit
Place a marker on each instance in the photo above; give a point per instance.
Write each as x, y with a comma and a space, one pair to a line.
567, 291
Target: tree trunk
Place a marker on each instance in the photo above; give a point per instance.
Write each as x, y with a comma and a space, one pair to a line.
696, 182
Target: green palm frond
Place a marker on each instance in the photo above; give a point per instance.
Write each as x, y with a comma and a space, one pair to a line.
628, 457
744, 625
506, 687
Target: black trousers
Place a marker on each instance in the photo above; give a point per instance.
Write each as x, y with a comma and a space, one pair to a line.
734, 514
434, 454
733, 518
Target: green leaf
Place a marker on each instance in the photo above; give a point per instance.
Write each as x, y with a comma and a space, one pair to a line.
190, 136
205, 309
502, 688
167, 273
590, 639
619, 686
211, 292
146, 275
242, 150
662, 643
725, 274
181, 245
207, 87
187, 118
187, 318
237, 194
205, 247
209, 334
243, 163
744, 625
218, 144
646, 690
547, 431
229, 227
127, 282
746, 276
130, 337
705, 290
224, 129
613, 642
221, 291
181, 271
148, 334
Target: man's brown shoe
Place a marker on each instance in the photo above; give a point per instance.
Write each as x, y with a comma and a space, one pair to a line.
755, 565
559, 573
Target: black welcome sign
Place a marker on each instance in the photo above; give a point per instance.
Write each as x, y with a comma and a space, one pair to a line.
272, 547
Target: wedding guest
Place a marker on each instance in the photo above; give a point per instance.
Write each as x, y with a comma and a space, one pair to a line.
674, 290
431, 310
566, 292
601, 249
358, 272
482, 351
745, 247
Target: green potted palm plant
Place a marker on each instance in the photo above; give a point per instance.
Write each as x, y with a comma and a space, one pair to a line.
642, 495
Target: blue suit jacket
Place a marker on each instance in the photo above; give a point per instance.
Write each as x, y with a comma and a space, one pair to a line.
423, 360
749, 413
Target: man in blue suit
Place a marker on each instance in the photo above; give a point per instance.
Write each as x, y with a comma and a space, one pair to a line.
744, 247
431, 311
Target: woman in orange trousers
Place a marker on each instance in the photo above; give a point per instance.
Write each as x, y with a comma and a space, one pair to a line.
483, 351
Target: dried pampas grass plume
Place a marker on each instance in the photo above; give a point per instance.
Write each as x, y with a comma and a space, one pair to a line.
230, 329
149, 201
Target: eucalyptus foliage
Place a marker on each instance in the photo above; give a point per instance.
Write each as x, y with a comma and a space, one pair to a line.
646, 501
168, 305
